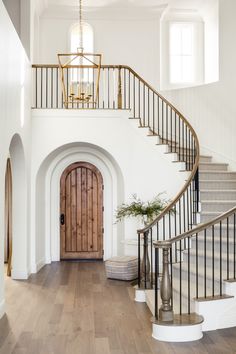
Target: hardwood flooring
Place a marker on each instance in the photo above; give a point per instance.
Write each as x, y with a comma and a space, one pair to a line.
71, 308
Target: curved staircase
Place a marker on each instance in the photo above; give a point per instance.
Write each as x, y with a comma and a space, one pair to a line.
187, 255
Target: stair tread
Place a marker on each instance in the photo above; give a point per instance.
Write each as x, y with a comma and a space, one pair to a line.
212, 212
218, 171
217, 190
217, 180
213, 163
217, 201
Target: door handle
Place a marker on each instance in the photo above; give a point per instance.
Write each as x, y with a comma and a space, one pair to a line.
62, 219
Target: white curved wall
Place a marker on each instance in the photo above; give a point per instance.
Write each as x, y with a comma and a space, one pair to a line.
15, 98
129, 161
211, 108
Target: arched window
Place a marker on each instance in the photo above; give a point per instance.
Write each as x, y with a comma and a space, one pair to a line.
87, 38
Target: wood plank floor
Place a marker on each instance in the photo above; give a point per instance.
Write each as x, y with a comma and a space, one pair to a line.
71, 308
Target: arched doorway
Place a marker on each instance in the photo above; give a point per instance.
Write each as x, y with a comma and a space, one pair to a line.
81, 207
8, 218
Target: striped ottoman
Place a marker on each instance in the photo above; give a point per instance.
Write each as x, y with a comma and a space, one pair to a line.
122, 267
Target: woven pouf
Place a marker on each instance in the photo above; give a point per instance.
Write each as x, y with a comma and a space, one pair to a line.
122, 268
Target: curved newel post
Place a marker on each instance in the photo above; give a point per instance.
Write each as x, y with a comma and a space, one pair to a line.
166, 311
145, 282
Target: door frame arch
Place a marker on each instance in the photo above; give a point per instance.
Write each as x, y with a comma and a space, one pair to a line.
77, 179
47, 189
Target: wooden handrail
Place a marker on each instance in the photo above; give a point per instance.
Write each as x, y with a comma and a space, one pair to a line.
195, 230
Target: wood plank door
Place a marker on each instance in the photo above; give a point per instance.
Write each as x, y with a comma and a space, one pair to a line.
81, 219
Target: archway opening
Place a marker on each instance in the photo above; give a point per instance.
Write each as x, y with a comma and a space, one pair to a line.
8, 219
19, 230
47, 199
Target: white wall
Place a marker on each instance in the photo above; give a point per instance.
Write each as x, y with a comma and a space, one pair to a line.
210, 16
211, 108
14, 118
124, 41
198, 49
144, 169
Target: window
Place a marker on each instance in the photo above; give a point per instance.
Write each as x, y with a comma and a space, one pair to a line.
181, 53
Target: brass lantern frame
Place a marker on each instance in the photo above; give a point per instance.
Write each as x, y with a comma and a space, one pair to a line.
67, 62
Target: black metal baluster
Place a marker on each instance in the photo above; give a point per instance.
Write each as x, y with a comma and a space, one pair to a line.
197, 265
139, 99
180, 278
52, 103
108, 88
151, 256
234, 244
220, 258
41, 87
227, 238
188, 275
156, 281
169, 213
180, 216
57, 98
36, 88
153, 113
124, 85
171, 276
104, 88
213, 260
205, 263
167, 124
180, 157
134, 95
175, 225
139, 261
176, 134
164, 228
144, 104
162, 122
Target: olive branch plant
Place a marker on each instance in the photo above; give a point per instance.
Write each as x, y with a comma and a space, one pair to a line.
146, 211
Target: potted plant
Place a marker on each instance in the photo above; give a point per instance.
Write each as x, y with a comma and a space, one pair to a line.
145, 211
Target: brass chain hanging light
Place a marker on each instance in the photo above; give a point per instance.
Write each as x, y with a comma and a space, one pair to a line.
80, 74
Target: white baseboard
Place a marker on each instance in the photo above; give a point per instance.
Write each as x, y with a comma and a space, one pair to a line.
37, 266
2, 308
20, 274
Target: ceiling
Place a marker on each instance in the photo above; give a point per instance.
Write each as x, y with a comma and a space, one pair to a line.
127, 3
70, 7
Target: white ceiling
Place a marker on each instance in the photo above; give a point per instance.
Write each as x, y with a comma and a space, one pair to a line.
70, 7
188, 4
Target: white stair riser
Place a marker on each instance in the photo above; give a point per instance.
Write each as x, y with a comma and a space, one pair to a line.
217, 185
217, 206
209, 262
218, 195
212, 167
217, 175
205, 159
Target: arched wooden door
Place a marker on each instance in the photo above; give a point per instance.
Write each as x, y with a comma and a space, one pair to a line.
81, 218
